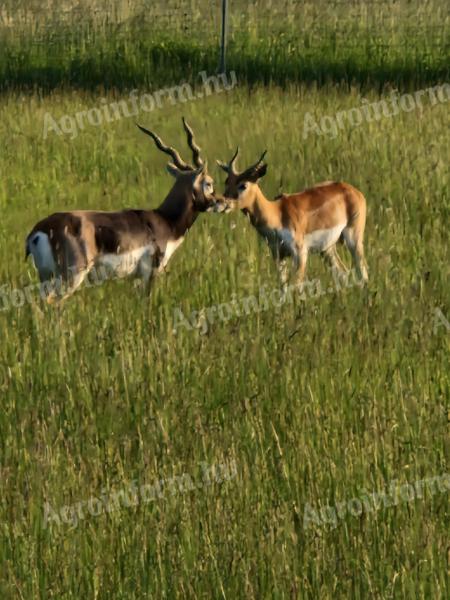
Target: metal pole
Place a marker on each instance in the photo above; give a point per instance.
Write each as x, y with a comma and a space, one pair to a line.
223, 45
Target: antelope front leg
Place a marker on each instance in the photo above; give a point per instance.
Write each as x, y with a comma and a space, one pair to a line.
283, 273
147, 278
300, 263
146, 272
144, 283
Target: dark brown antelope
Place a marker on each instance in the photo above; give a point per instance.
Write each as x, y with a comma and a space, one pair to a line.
68, 246
295, 224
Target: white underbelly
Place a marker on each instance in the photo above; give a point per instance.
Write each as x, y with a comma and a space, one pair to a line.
125, 264
322, 239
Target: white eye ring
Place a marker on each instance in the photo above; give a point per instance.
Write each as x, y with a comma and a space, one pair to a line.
242, 187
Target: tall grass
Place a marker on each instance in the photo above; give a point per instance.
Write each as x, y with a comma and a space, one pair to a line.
315, 402
89, 45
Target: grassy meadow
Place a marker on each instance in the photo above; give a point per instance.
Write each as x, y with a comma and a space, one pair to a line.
94, 43
310, 404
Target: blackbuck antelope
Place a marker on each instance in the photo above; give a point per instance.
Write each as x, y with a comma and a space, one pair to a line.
67, 247
295, 224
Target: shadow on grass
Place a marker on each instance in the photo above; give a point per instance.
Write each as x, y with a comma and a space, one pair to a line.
155, 64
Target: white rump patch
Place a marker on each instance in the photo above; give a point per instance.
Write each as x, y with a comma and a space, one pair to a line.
39, 247
322, 239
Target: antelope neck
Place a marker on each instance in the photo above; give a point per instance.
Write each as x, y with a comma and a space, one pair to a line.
263, 212
178, 212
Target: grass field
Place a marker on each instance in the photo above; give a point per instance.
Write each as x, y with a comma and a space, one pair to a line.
313, 402
92, 43
298, 409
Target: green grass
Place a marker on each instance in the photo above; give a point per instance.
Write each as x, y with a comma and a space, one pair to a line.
403, 42
314, 402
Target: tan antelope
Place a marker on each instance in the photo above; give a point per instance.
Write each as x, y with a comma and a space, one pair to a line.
68, 246
295, 224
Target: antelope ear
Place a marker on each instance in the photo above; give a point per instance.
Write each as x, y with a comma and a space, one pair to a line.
258, 173
198, 173
223, 166
173, 170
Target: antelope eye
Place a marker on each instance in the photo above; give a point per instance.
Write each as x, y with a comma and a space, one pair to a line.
242, 187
